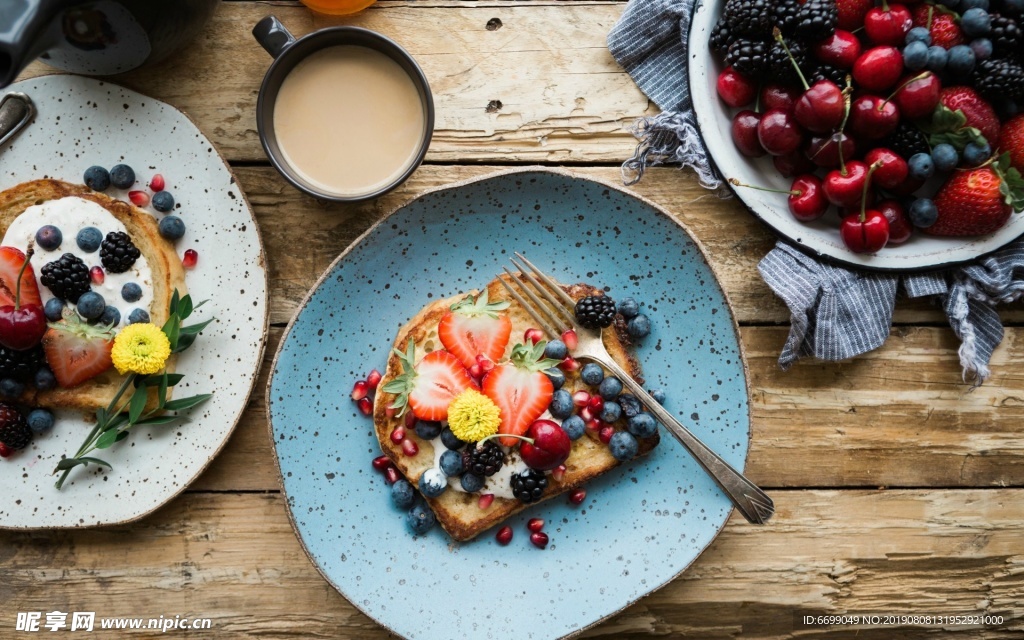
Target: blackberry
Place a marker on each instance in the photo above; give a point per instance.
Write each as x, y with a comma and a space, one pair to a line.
20, 365
828, 72
786, 16
484, 459
528, 486
997, 79
1006, 36
747, 56
816, 20
118, 253
595, 312
748, 18
721, 38
14, 431
66, 277
906, 140
779, 66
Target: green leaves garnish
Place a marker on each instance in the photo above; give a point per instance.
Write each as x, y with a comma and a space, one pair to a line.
1011, 184
950, 127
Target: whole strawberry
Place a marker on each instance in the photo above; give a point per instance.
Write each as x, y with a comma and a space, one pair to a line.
1011, 140
978, 201
977, 110
942, 26
851, 13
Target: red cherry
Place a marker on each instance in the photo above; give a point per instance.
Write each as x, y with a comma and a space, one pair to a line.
825, 151
744, 134
22, 325
846, 189
841, 49
878, 69
793, 164
872, 117
888, 24
900, 228
821, 107
778, 132
807, 201
892, 170
548, 445
865, 236
5, 451
917, 97
776, 96
734, 89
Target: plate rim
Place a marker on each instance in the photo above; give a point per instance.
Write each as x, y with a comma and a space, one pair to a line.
262, 263
565, 173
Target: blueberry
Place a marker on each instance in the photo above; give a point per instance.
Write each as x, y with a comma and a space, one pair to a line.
982, 48
556, 349
574, 427
49, 237
658, 395
592, 374
561, 404
975, 153
642, 425
471, 483
611, 412
131, 292
975, 22
11, 388
961, 60
122, 176
610, 388
45, 379
89, 239
420, 519
138, 316
919, 34
91, 305
450, 440
629, 308
945, 157
110, 317
40, 420
937, 57
402, 494
97, 178
623, 446
451, 463
428, 430
639, 327
630, 405
171, 227
915, 55
162, 201
921, 166
433, 482
923, 213
53, 309
556, 376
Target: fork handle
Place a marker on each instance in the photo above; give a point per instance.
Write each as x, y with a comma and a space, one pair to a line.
754, 504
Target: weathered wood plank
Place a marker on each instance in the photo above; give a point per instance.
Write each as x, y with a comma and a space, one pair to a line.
235, 559
562, 96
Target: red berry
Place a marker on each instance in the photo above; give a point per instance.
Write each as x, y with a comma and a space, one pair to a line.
594, 424
872, 117
900, 228
846, 190
744, 134
868, 236
807, 201
841, 49
380, 463
570, 339
793, 164
918, 97
778, 132
581, 398
190, 259
878, 69
734, 89
410, 420
587, 414
359, 390
777, 96
535, 524
606, 433
485, 500
157, 183
596, 404
558, 473
410, 448
577, 496
365, 406
888, 24
504, 535
569, 364
398, 435
821, 108
373, 379
391, 475
96, 275
476, 371
5, 450
539, 539
852, 13
138, 198
825, 151
533, 335
891, 172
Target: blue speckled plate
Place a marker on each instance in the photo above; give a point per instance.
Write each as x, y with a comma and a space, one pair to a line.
641, 524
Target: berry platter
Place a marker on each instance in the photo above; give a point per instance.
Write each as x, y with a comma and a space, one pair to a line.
641, 524
82, 122
877, 71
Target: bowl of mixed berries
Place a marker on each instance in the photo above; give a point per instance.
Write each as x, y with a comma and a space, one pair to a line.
886, 135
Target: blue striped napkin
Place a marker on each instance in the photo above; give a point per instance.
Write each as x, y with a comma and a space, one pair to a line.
836, 313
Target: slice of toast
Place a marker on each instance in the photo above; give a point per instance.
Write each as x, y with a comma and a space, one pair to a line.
165, 266
459, 513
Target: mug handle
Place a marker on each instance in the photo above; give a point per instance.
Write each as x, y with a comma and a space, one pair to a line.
273, 35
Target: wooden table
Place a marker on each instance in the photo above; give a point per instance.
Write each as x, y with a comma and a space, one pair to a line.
899, 489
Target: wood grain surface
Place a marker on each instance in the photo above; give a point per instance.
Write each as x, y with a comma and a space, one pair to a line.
899, 488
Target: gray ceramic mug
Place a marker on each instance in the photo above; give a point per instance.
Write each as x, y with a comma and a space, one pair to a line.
288, 52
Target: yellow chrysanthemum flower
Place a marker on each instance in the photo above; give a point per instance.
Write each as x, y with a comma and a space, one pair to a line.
140, 348
472, 416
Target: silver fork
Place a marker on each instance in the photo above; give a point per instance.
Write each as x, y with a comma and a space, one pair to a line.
753, 503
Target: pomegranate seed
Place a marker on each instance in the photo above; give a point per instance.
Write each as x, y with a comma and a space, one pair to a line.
410, 448
558, 472
578, 496
596, 404
594, 424
5, 450
486, 364
504, 535
485, 501
380, 463
539, 539
606, 434
587, 414
391, 475
97, 275
397, 435
410, 420
535, 524
190, 259
156, 183
138, 198
373, 379
365, 406
476, 371
569, 364
581, 398
570, 339
359, 390
390, 412
533, 335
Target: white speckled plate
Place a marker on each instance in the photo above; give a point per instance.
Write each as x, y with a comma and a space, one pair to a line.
82, 122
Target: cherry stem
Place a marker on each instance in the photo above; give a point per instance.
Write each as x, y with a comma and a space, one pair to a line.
864, 192
931, 12
506, 435
920, 76
847, 101
777, 34
24, 265
737, 183
885, 6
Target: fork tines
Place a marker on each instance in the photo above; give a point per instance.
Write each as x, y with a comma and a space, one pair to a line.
551, 313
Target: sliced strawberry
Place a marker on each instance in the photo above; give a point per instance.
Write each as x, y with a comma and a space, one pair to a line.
11, 260
475, 327
520, 389
77, 351
428, 387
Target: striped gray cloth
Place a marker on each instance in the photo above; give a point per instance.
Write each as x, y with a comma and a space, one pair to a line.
836, 313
